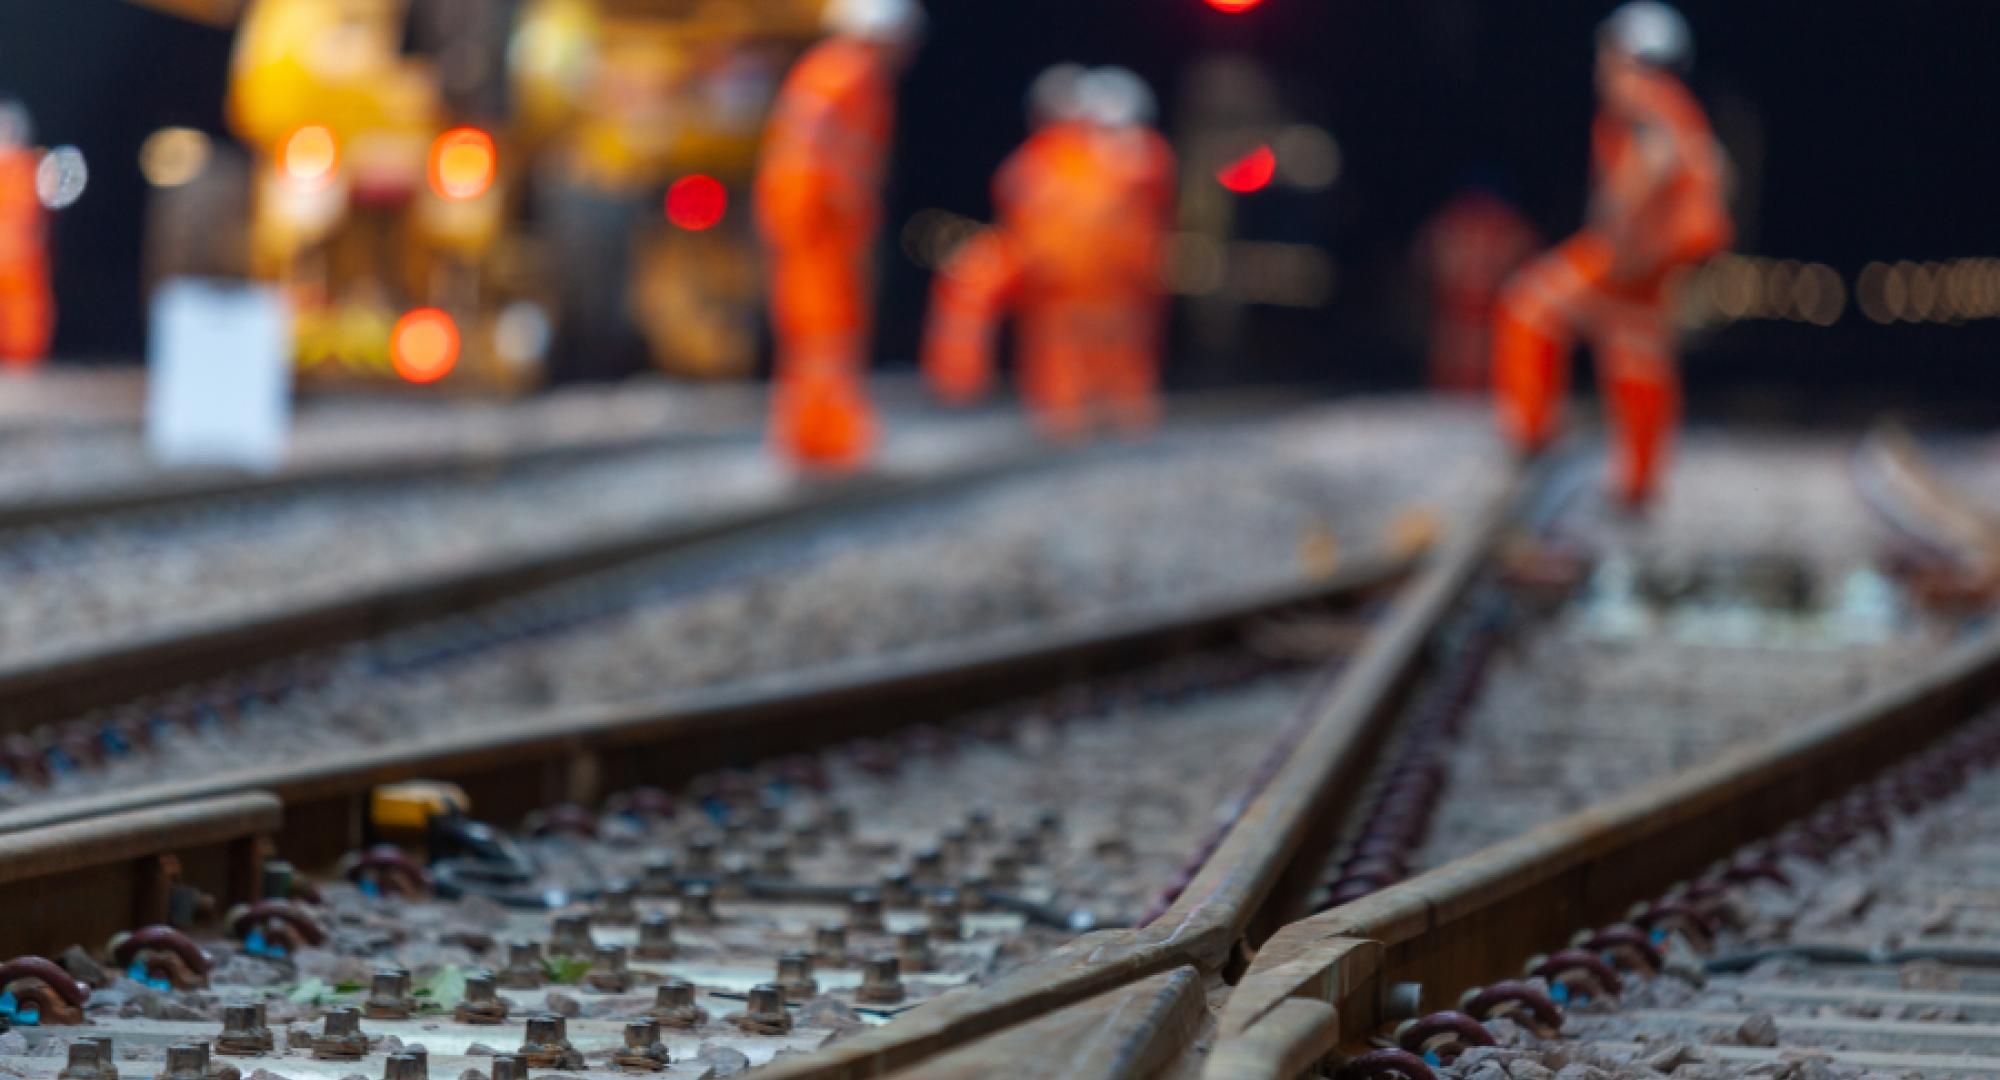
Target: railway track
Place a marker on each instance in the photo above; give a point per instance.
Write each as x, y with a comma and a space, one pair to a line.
1186, 961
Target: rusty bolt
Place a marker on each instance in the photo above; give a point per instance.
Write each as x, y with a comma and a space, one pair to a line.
243, 1032
186, 1061
941, 913
774, 860
957, 845
615, 905
405, 1067
388, 995
1028, 847
764, 1013
674, 1006
864, 910
524, 969
734, 881
642, 1049
914, 946
546, 1044
341, 1039
697, 906
1004, 869
795, 977
482, 1003
979, 824
701, 855
897, 890
830, 944
509, 1067
881, 981
656, 938
85, 1061
662, 877
570, 936
972, 892
608, 973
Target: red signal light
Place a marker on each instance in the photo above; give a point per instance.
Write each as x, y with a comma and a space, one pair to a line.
697, 202
1250, 173
1233, 7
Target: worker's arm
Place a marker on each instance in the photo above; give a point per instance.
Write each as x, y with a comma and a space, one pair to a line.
967, 299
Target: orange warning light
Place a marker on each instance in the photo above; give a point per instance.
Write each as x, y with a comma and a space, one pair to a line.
424, 345
463, 163
309, 156
1250, 173
697, 202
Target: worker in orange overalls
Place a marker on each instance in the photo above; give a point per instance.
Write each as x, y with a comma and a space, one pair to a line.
818, 192
1466, 252
27, 304
1657, 206
1084, 209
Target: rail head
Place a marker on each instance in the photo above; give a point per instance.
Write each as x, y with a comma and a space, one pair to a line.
1474, 920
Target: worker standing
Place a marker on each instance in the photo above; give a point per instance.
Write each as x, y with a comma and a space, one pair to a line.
27, 303
1657, 206
1084, 208
818, 192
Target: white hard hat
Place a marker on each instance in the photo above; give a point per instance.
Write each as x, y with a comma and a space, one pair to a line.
1053, 95
16, 128
874, 20
1651, 33
1114, 97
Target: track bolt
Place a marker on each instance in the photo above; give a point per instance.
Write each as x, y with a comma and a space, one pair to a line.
1028, 847
697, 906
774, 860
88, 1061
341, 1037
972, 892
615, 905
927, 867
509, 1067
701, 855
656, 938
1049, 825
897, 889
482, 1003
546, 1045
941, 915
674, 1007
979, 825
524, 970
570, 936
957, 846
608, 973
1004, 869
243, 1031
806, 841
914, 947
795, 977
764, 1013
643, 1048
881, 981
830, 944
388, 995
186, 1061
406, 1067
662, 878
864, 911
734, 884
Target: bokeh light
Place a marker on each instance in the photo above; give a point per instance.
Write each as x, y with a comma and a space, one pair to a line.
173, 156
463, 163
697, 202
310, 156
61, 177
424, 345
1233, 7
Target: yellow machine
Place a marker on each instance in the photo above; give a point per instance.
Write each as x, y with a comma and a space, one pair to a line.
593, 210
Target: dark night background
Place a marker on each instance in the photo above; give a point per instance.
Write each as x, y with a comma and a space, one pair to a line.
1877, 119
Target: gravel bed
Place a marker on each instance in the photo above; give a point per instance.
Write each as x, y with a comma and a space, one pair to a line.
1173, 524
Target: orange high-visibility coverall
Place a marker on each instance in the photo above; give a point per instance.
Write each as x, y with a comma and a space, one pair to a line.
1657, 206
1083, 218
27, 305
1466, 252
818, 194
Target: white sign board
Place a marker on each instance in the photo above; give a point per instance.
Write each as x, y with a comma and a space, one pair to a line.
219, 375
